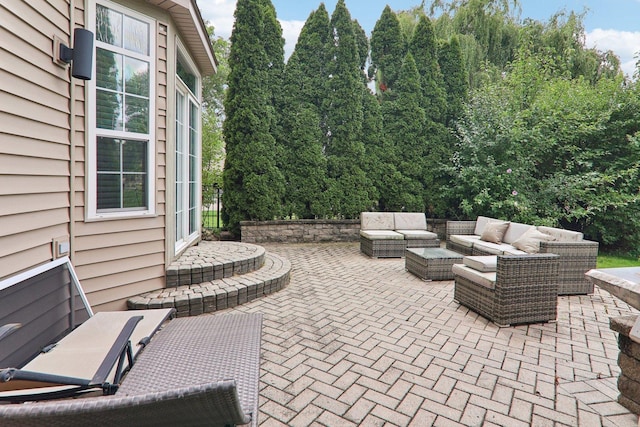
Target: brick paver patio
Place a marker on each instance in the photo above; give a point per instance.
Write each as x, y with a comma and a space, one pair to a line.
360, 341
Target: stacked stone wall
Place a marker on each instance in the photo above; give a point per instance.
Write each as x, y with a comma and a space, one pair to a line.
300, 231
629, 363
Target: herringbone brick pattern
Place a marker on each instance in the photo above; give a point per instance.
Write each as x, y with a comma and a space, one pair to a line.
359, 341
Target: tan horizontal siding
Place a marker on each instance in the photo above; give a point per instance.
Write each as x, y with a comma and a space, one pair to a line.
116, 298
32, 239
12, 184
108, 268
21, 203
18, 262
16, 224
118, 253
52, 114
33, 166
19, 145
30, 128
118, 239
34, 134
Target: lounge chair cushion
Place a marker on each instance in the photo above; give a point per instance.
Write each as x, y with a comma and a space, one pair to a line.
417, 234
530, 241
410, 221
484, 264
494, 231
377, 221
381, 235
488, 280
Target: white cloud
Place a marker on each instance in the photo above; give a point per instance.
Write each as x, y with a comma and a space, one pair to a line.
625, 44
290, 32
219, 13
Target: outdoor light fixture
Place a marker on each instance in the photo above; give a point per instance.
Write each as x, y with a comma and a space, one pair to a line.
81, 56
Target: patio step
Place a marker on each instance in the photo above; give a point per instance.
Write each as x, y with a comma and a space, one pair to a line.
230, 274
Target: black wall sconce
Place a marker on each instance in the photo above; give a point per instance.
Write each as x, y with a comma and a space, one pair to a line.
80, 57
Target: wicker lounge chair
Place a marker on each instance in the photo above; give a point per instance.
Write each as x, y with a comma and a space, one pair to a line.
524, 289
176, 381
194, 371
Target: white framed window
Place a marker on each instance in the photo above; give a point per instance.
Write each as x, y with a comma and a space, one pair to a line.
187, 150
121, 106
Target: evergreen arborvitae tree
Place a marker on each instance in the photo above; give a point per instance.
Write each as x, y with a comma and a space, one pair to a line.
303, 163
456, 81
424, 50
253, 186
388, 49
274, 48
362, 44
405, 127
349, 187
380, 159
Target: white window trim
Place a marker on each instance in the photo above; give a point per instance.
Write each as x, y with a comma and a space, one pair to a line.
92, 213
180, 245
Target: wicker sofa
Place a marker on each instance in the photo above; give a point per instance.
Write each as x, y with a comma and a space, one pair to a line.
577, 255
387, 234
509, 289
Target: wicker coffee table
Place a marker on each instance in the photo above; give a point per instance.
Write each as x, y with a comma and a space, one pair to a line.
431, 263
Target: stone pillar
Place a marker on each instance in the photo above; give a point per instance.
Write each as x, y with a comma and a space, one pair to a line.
629, 363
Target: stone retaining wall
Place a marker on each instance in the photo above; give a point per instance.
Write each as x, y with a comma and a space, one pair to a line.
300, 231
629, 363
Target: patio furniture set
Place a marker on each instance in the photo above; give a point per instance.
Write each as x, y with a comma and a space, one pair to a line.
139, 367
508, 272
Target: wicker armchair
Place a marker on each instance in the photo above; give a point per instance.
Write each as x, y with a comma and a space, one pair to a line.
524, 289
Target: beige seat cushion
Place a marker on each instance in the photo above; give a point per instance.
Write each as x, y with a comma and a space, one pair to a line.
530, 241
488, 280
494, 231
381, 235
466, 240
484, 264
410, 221
417, 234
497, 249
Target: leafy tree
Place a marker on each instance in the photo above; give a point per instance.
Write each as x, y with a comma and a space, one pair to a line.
349, 187
252, 183
213, 91
388, 50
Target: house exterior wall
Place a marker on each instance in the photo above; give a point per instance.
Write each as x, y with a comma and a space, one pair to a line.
34, 134
43, 159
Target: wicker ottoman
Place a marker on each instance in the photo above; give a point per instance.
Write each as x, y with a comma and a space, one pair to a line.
431, 263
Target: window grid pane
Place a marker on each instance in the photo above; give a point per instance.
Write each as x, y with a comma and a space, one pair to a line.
123, 105
180, 125
122, 174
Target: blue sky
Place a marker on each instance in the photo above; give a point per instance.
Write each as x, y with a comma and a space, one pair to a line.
609, 24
